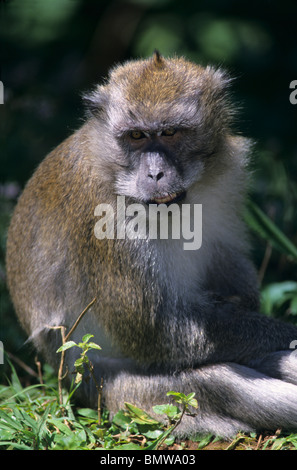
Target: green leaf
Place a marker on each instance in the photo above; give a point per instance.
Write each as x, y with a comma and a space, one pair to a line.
190, 396
170, 410
193, 402
129, 446
169, 440
42, 422
17, 386
79, 362
86, 337
152, 434
94, 346
67, 345
23, 393
8, 422
205, 441
179, 397
71, 441
15, 445
88, 413
157, 442
6, 434
263, 225
121, 419
275, 294
293, 306
278, 444
140, 416
59, 423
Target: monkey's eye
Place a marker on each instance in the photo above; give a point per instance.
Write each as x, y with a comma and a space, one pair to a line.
169, 132
136, 135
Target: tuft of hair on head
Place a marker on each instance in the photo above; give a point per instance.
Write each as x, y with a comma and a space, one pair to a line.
158, 60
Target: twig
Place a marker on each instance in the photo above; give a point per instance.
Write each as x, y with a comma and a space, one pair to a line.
266, 258
259, 442
79, 319
40, 376
171, 429
38, 365
99, 390
99, 409
91, 368
61, 367
235, 442
64, 340
22, 364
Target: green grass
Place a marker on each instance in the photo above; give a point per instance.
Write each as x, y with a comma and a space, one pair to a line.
32, 418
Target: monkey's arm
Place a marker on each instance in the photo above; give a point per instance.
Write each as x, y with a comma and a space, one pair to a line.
232, 276
205, 334
224, 323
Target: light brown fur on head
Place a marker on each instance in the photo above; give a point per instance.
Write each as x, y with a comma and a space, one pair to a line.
163, 90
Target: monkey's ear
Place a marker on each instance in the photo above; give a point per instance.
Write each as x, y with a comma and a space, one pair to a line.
220, 79
95, 101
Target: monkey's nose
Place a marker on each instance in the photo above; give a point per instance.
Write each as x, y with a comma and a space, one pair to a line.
156, 175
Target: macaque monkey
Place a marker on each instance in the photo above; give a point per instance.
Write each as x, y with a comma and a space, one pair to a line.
157, 136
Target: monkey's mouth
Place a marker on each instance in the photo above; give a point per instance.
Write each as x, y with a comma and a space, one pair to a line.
168, 198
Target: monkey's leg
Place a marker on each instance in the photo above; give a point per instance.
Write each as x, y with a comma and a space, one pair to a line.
231, 398
280, 364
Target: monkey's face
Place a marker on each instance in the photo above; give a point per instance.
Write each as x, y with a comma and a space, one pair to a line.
156, 171
166, 118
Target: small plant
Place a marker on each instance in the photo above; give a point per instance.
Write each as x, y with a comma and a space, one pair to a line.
84, 362
173, 413
137, 421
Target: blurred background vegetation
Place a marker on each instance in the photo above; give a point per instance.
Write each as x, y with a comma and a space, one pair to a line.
52, 51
